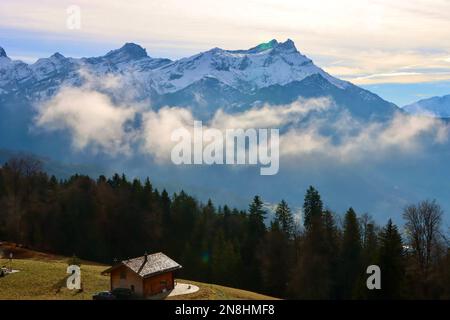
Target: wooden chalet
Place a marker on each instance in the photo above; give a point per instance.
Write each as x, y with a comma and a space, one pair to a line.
145, 276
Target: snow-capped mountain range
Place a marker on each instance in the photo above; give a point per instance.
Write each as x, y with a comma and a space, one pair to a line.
273, 72
438, 107
259, 67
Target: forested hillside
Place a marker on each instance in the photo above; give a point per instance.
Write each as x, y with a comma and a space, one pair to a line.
324, 256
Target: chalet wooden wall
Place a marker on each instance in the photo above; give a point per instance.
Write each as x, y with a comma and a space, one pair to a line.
154, 285
131, 279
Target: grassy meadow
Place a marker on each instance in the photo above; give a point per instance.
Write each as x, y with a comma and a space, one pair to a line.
46, 280
43, 276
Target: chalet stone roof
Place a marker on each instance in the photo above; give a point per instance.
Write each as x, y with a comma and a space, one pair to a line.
148, 265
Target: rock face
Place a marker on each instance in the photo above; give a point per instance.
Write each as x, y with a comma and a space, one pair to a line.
3, 53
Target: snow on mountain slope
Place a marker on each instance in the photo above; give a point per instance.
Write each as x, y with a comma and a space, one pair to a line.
273, 72
438, 107
129, 56
246, 70
42, 78
259, 67
10, 70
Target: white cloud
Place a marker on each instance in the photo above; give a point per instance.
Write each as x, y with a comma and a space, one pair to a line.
108, 81
99, 114
103, 124
269, 116
391, 65
91, 118
358, 141
158, 127
350, 141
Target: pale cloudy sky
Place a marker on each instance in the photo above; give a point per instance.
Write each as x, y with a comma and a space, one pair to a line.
397, 48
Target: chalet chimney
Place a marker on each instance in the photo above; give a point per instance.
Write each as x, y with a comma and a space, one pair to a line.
145, 257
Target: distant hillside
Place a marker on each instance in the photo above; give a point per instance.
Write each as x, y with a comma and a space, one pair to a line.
438, 107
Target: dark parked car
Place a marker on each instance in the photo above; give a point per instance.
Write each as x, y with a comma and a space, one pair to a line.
3, 271
104, 295
123, 294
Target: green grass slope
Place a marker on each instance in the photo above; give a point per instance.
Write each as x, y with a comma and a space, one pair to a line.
43, 277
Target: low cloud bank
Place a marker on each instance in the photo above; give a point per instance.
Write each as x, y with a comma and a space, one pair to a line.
97, 118
360, 141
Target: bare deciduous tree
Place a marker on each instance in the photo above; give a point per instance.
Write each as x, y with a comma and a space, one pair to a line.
25, 165
423, 223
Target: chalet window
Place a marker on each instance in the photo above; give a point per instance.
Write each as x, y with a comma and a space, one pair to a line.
123, 274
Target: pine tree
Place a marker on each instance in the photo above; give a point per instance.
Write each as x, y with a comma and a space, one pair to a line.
369, 254
312, 206
351, 268
370, 244
257, 215
391, 262
285, 219
2, 212
275, 258
225, 261
165, 203
255, 235
2, 185
219, 265
312, 274
331, 248
310, 277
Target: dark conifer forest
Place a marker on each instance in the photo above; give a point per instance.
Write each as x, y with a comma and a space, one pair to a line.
323, 256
